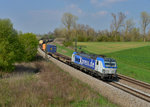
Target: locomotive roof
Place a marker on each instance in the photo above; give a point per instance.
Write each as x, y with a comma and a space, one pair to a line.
92, 56
109, 59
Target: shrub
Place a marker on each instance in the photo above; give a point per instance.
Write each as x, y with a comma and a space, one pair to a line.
9, 45
30, 44
67, 43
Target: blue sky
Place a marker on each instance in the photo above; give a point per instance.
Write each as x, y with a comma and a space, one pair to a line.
42, 16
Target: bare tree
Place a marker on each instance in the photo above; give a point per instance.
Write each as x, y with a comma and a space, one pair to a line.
145, 21
69, 20
117, 23
148, 35
129, 25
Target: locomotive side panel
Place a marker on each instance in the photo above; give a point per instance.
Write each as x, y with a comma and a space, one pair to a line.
86, 62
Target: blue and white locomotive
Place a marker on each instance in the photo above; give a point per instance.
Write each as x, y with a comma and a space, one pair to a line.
99, 65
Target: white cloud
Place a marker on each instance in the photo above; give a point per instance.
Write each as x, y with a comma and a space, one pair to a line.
105, 2
46, 20
74, 9
53, 14
100, 13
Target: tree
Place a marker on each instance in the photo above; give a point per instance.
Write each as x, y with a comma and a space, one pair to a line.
60, 32
69, 22
145, 19
148, 37
30, 44
9, 45
117, 23
129, 25
133, 35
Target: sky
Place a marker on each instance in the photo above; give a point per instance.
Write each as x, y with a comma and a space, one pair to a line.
43, 16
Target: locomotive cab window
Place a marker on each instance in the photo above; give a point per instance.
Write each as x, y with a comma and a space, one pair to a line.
77, 59
97, 62
110, 63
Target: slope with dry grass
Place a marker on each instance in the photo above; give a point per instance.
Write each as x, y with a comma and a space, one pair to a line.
50, 87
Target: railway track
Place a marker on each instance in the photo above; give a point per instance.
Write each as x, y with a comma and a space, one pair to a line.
131, 80
130, 90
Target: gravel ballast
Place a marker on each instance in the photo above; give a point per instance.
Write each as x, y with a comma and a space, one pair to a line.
135, 86
113, 94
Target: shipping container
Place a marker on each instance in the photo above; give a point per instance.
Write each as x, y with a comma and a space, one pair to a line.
51, 48
44, 47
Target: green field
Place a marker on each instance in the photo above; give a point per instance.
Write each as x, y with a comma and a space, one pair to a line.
109, 47
134, 62
64, 50
133, 58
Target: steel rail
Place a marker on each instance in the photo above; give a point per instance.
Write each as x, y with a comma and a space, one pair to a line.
137, 82
130, 90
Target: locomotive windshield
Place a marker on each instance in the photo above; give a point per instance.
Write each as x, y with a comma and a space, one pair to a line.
110, 62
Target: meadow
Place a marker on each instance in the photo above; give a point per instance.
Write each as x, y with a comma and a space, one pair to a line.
109, 47
65, 51
133, 58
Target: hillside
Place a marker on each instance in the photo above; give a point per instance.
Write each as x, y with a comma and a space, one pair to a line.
50, 87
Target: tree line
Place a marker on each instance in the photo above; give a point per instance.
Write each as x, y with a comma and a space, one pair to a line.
122, 29
15, 46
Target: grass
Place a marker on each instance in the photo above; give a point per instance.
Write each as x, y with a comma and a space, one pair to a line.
101, 47
65, 51
133, 58
51, 87
109, 47
134, 62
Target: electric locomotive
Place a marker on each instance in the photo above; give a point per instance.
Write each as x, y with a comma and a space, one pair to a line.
98, 64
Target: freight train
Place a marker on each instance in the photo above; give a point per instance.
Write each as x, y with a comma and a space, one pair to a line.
97, 65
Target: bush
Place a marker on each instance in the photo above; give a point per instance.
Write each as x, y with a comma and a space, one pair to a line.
102, 38
67, 43
9, 45
81, 38
30, 44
